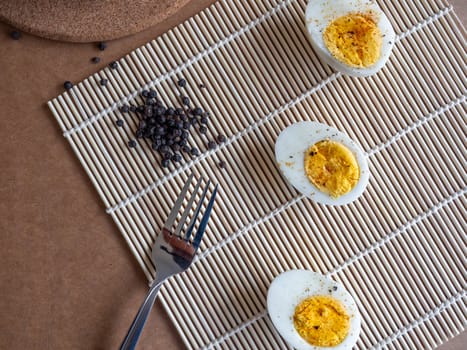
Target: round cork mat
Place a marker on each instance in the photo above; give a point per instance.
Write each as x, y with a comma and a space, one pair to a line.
86, 20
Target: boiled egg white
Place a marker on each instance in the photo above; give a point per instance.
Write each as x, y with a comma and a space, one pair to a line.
321, 13
292, 287
290, 149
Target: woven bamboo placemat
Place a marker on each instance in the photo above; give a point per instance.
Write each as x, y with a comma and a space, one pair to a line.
399, 249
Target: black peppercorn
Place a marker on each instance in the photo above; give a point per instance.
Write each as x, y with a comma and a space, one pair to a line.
15, 35
220, 138
197, 111
185, 100
152, 93
67, 85
176, 158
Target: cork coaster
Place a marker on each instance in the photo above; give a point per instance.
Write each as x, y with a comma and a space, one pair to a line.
86, 21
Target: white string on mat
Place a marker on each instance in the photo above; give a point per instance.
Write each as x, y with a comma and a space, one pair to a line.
248, 227
206, 52
373, 151
244, 325
234, 138
353, 259
57, 110
378, 148
399, 231
134, 197
417, 124
96, 136
429, 315
297, 199
178, 69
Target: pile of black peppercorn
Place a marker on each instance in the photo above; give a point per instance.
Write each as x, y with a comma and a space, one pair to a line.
169, 128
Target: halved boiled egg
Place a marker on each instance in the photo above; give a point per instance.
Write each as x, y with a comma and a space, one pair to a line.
311, 311
354, 37
322, 163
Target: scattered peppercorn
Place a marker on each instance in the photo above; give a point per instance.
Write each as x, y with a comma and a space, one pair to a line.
15, 35
124, 109
203, 130
220, 138
119, 122
212, 144
182, 83
185, 100
222, 164
152, 93
102, 45
67, 85
103, 82
201, 86
197, 111
132, 143
113, 65
95, 60
334, 288
176, 158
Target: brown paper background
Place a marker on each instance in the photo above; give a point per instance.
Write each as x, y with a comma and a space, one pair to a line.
68, 280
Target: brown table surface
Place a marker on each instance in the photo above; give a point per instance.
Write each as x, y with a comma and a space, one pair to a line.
68, 280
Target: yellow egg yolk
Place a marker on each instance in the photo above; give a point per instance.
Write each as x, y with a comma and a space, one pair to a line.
354, 39
321, 321
332, 167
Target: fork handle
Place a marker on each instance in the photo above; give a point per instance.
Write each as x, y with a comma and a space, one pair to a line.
129, 343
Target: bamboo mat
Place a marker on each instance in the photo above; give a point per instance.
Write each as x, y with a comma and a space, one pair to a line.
399, 249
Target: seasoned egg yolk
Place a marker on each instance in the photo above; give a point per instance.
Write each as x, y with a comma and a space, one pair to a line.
332, 167
354, 39
321, 321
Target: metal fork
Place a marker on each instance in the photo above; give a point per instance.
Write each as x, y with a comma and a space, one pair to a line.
171, 253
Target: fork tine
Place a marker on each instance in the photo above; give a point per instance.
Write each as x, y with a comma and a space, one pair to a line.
195, 214
204, 220
178, 203
188, 207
